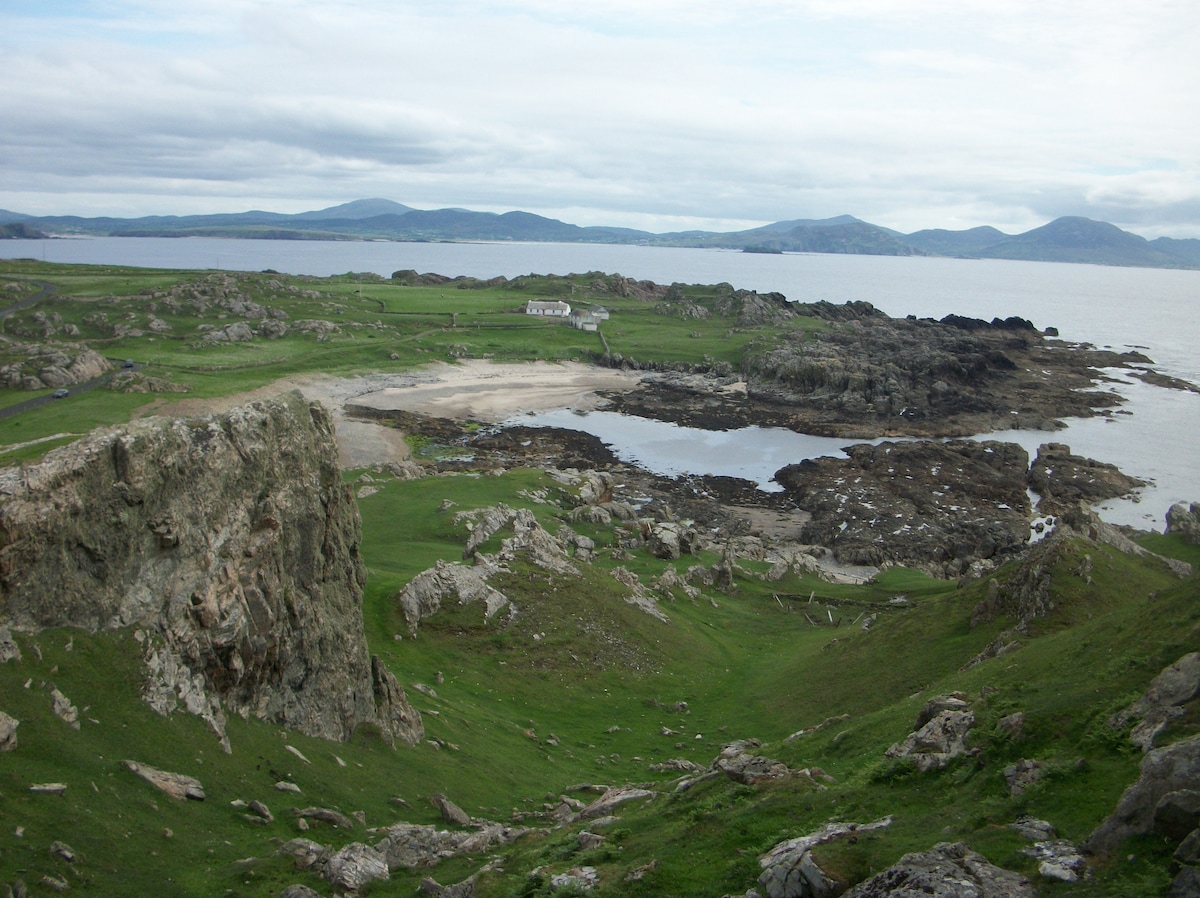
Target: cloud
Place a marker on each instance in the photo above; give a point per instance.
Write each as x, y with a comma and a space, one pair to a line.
911, 114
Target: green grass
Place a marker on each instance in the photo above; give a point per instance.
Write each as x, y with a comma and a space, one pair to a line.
579, 686
381, 326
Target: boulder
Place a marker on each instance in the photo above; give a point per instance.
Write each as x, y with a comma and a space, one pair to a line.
589, 840
595, 487
1163, 771
1057, 859
1186, 884
450, 812
396, 716
325, 815
297, 890
1012, 725
948, 870
1177, 685
8, 732
790, 871
638, 596
937, 742
743, 767
590, 514
464, 889
1188, 852
1185, 520
605, 804
9, 650
955, 701
1033, 829
354, 866
1021, 775
532, 542
577, 880
271, 329
177, 785
581, 547
261, 811
238, 332
63, 852
54, 376
63, 709
664, 539
1177, 814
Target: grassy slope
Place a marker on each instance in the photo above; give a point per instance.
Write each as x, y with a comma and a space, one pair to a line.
600, 676
746, 668
382, 327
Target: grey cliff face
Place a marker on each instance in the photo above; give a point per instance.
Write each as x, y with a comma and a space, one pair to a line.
230, 542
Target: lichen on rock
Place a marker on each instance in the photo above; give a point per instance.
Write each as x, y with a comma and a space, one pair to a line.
229, 542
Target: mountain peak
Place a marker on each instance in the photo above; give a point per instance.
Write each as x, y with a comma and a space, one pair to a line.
368, 208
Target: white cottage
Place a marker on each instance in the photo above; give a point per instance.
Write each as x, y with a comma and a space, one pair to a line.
552, 308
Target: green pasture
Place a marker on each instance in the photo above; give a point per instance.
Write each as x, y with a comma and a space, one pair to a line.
578, 686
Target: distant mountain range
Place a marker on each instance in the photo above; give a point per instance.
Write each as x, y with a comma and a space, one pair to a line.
1069, 239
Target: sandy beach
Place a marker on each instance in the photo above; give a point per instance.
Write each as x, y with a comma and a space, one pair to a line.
476, 389
485, 391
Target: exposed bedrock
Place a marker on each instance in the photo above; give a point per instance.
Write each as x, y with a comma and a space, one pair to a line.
230, 543
863, 374
937, 506
1064, 480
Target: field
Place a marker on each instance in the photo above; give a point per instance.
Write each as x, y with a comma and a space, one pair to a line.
579, 687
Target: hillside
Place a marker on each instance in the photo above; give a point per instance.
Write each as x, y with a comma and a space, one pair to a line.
627, 684
1069, 239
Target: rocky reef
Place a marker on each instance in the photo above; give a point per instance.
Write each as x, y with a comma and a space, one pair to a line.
862, 375
230, 544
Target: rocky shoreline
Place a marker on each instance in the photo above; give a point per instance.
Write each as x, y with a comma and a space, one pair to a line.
865, 375
951, 508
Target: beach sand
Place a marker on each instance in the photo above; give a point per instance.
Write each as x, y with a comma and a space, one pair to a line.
476, 389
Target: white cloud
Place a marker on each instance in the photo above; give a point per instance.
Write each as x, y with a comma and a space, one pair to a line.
910, 114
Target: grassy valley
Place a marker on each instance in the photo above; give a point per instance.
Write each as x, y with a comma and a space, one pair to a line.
530, 714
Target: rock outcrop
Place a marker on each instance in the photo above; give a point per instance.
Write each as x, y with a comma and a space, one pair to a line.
790, 871
1064, 480
424, 595
229, 542
938, 735
936, 506
948, 870
1185, 520
8, 732
412, 845
1169, 783
867, 375
1162, 701
54, 368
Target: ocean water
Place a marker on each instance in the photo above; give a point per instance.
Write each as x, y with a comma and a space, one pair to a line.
1156, 311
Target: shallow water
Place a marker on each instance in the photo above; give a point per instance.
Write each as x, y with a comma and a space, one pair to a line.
1154, 310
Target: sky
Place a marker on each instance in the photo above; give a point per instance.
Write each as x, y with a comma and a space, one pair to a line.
654, 114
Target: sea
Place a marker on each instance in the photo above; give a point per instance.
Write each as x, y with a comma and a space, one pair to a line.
1152, 434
